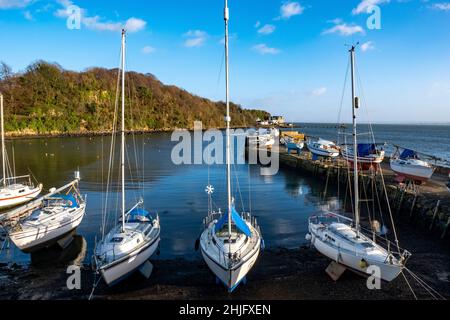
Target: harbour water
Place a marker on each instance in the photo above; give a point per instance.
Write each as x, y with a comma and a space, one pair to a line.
282, 203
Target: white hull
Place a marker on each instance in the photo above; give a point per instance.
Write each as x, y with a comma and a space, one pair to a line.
32, 239
231, 278
342, 244
119, 270
322, 152
10, 198
417, 171
372, 159
353, 261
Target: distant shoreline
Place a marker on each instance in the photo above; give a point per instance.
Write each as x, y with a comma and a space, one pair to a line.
18, 136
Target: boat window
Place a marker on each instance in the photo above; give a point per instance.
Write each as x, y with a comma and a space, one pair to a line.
116, 240
22, 191
366, 245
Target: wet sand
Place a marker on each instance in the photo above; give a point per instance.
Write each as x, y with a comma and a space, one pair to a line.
279, 274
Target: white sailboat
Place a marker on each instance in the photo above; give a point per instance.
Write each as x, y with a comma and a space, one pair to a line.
56, 218
14, 190
341, 239
130, 244
230, 243
408, 165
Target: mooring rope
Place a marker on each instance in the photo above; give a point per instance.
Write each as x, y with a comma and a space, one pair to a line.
409, 286
426, 286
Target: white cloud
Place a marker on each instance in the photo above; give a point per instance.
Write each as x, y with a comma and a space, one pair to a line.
365, 5
196, 38
134, 24
148, 50
367, 46
442, 6
264, 49
28, 15
14, 4
318, 92
267, 29
290, 9
95, 22
344, 29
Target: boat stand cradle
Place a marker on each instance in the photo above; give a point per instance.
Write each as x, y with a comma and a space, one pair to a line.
146, 269
335, 270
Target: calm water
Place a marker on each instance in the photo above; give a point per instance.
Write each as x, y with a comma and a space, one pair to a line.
282, 203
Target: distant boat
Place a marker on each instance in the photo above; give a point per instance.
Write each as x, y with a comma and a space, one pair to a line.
263, 138
293, 144
54, 221
14, 190
230, 243
135, 238
341, 239
368, 155
323, 148
408, 165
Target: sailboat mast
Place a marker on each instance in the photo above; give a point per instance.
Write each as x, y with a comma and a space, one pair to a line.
355, 142
3, 140
123, 131
228, 118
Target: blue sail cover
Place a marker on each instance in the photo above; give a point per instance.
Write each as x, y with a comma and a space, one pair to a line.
238, 221
70, 200
407, 154
139, 214
366, 149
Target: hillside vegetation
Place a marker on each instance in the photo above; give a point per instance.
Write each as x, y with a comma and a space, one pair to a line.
46, 99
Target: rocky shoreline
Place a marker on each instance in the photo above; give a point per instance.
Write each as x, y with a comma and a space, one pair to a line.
280, 274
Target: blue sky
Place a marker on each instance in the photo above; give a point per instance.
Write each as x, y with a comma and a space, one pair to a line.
287, 57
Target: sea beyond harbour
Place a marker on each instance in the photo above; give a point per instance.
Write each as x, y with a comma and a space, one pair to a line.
282, 202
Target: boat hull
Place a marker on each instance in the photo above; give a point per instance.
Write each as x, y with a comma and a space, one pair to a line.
353, 262
416, 173
323, 153
231, 278
15, 200
35, 239
120, 270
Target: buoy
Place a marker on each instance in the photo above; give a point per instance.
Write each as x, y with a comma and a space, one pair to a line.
363, 264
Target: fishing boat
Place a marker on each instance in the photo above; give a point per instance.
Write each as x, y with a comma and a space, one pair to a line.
323, 148
230, 243
14, 190
408, 165
369, 155
54, 221
135, 238
342, 239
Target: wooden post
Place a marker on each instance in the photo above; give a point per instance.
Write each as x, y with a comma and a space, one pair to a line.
413, 206
399, 206
436, 209
445, 229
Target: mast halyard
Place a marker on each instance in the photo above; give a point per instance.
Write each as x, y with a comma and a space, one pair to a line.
228, 118
123, 131
355, 143
3, 140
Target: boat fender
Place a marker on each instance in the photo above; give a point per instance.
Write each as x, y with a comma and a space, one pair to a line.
308, 237
363, 264
263, 244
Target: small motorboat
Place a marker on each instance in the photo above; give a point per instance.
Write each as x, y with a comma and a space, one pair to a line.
262, 138
408, 165
54, 221
323, 148
293, 144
